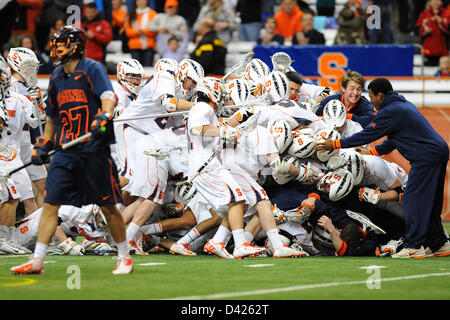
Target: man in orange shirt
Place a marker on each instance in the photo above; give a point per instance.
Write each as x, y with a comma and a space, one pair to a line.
289, 19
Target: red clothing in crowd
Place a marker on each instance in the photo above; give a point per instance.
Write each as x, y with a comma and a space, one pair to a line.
102, 36
434, 43
33, 10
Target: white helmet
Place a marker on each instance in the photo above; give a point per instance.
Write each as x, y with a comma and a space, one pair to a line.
302, 146
277, 84
167, 64
322, 237
354, 164
335, 114
329, 133
189, 68
213, 88
337, 184
285, 178
282, 134
130, 74
238, 91
5, 77
256, 89
100, 221
257, 71
184, 193
24, 61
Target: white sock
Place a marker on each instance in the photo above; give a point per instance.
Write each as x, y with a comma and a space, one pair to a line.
274, 238
221, 234
4, 232
190, 236
248, 236
239, 237
40, 251
122, 248
153, 228
10, 233
132, 230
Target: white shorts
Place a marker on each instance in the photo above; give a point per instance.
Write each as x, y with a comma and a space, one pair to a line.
252, 190
34, 172
200, 208
219, 188
8, 191
149, 178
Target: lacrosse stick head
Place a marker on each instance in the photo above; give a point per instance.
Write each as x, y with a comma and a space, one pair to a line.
24, 62
365, 221
239, 68
157, 153
281, 61
4, 174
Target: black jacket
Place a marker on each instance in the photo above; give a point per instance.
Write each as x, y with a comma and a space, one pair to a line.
210, 53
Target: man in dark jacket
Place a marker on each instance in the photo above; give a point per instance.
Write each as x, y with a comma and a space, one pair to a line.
210, 51
416, 140
308, 35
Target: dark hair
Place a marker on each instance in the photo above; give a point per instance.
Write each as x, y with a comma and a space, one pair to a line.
295, 77
378, 85
203, 97
173, 38
91, 5
32, 39
352, 235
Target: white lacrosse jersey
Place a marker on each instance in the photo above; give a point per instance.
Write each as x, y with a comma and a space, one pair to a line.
148, 102
123, 97
201, 147
309, 91
381, 173
351, 128
250, 153
26, 230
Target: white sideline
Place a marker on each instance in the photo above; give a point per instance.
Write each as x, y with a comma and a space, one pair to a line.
302, 287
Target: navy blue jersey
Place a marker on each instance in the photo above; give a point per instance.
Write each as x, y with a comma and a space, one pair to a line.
406, 129
363, 112
74, 100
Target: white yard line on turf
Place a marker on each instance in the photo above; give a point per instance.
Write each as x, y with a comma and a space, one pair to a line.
14, 256
151, 264
302, 287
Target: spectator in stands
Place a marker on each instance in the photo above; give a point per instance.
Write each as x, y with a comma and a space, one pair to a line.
268, 35
98, 32
169, 24
29, 42
433, 26
289, 20
8, 13
210, 51
173, 49
325, 7
142, 42
308, 35
56, 25
385, 30
25, 24
444, 67
352, 22
250, 14
224, 18
119, 16
189, 10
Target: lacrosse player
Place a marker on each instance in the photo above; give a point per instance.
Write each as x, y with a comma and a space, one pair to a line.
85, 173
305, 92
24, 66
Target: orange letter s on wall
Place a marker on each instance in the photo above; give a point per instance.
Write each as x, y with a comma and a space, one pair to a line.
331, 67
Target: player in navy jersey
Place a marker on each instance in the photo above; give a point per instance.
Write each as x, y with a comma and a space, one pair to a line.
80, 99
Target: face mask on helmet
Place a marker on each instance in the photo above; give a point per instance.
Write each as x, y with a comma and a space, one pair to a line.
130, 74
335, 115
5, 78
66, 44
24, 62
277, 84
337, 184
282, 134
190, 74
100, 222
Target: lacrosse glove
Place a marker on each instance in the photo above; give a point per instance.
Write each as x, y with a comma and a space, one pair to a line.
99, 125
40, 154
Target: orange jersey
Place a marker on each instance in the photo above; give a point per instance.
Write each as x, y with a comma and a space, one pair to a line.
289, 24
146, 39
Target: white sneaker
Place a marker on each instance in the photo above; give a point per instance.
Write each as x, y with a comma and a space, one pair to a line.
247, 249
217, 249
8, 247
410, 253
181, 249
124, 265
286, 252
441, 252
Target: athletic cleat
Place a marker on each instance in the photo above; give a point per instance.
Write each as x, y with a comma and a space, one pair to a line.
441, 252
181, 249
28, 268
19, 247
246, 250
124, 265
133, 249
10, 247
217, 249
410, 253
286, 252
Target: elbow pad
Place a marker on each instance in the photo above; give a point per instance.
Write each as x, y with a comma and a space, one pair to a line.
169, 102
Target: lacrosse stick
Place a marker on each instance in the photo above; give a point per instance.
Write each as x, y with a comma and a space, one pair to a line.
99, 252
250, 126
2, 105
239, 67
281, 61
29, 73
365, 221
158, 115
163, 153
4, 175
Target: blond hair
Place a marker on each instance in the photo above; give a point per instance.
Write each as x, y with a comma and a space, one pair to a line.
352, 76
